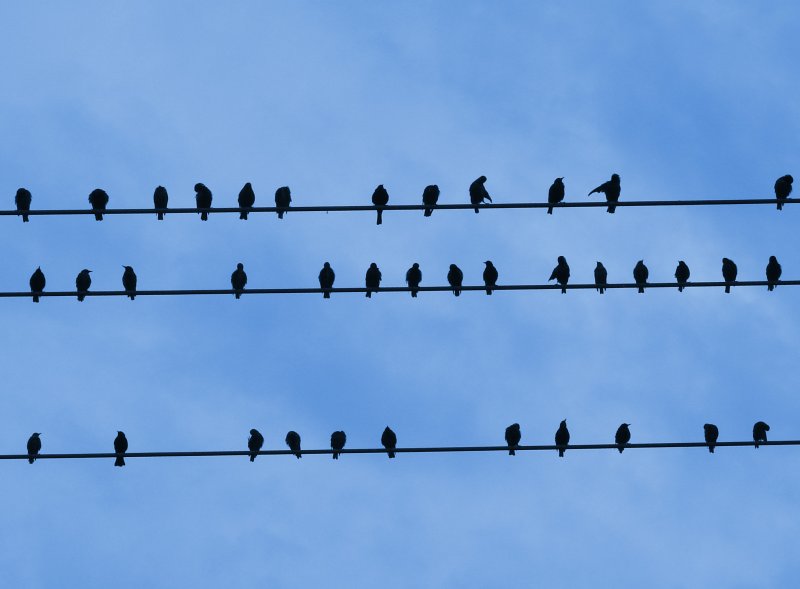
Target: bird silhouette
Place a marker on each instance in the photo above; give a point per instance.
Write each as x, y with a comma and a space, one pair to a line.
129, 282
413, 278
283, 198
247, 198
555, 194
562, 438
98, 199
711, 433
293, 441
774, 272
326, 278
238, 280
82, 283
120, 447
23, 201
513, 437
490, 276
34, 445
640, 275
430, 196
37, 283
478, 193
160, 200
760, 430
373, 279
783, 188
380, 198
612, 190
254, 443
338, 440
729, 272
622, 437
389, 441
202, 198
600, 277
561, 274
682, 275
455, 277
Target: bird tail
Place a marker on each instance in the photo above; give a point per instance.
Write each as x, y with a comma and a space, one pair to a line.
620, 448
476, 209
711, 448
81, 297
780, 206
380, 217
563, 290
488, 291
770, 287
680, 288
641, 289
25, 218
611, 209
160, 216
727, 288
561, 452
280, 214
237, 294
756, 444
298, 454
253, 457
204, 216
511, 452
414, 293
428, 212
120, 461
35, 299
369, 294
391, 454
132, 296
31, 460
336, 456
326, 295
243, 215
601, 290
456, 292
98, 217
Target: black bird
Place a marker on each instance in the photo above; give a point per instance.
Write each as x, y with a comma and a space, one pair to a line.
600, 277
120, 447
513, 437
283, 198
490, 276
34, 445
555, 194
338, 440
254, 443
326, 278
430, 196
389, 441
760, 430
203, 198
682, 275
247, 198
238, 280
82, 283
729, 272
373, 279
160, 200
640, 274
562, 438
783, 188
129, 282
455, 277
622, 437
774, 271
37, 283
561, 274
478, 193
380, 198
413, 278
293, 441
98, 199
711, 433
23, 202
611, 189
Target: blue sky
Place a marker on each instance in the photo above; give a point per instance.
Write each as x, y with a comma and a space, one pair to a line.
682, 99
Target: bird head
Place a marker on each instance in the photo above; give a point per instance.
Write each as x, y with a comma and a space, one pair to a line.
562, 259
373, 265
488, 262
415, 265
326, 265
482, 179
563, 423
788, 178
560, 180
199, 186
37, 434
253, 432
615, 178
240, 266
120, 433
773, 259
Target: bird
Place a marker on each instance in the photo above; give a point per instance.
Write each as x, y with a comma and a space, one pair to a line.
413, 278
783, 188
373, 279
711, 433
555, 194
380, 198
430, 196
561, 274
203, 199
129, 282
513, 437
600, 277
238, 280
23, 201
293, 441
729, 271
622, 437
338, 440
98, 199
640, 275
120, 447
611, 189
455, 277
326, 278
760, 430
37, 283
490, 276
682, 274
254, 443
34, 445
773, 273
247, 198
389, 441
562, 438
160, 200
82, 283
283, 198
478, 193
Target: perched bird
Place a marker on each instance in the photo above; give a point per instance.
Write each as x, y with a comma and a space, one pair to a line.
711, 433
37, 283
203, 199
478, 193
622, 437
283, 198
254, 443
23, 201
98, 199
555, 194
729, 272
561, 274
640, 275
430, 196
373, 279
562, 438
413, 278
129, 282
490, 276
681, 275
773, 273
160, 200
326, 278
34, 445
293, 441
389, 441
380, 198
338, 440
247, 198
238, 280
513, 437
783, 188
120, 447
611, 189
760, 430
82, 283
600, 277
455, 277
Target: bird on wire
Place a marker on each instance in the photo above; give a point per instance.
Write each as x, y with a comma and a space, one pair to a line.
380, 198
254, 443
238, 280
783, 188
682, 275
23, 202
37, 283
283, 198
430, 196
478, 193
513, 438
622, 437
612, 190
562, 438
561, 274
129, 282
293, 441
600, 277
490, 276
202, 198
338, 440
454, 278
760, 430
34, 445
729, 272
326, 279
389, 441
774, 272
640, 275
372, 279
555, 194
98, 199
82, 283
711, 433
160, 200
120, 447
247, 198
413, 278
